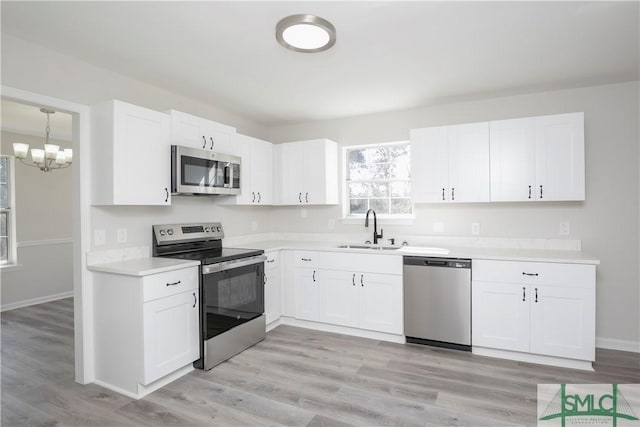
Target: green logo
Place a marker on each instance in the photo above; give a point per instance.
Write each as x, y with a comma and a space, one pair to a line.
591, 407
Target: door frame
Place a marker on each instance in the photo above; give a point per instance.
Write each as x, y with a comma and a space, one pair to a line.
81, 214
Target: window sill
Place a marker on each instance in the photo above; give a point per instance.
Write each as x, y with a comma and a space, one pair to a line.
10, 267
407, 220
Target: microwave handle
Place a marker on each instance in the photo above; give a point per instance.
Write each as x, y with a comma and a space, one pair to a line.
228, 178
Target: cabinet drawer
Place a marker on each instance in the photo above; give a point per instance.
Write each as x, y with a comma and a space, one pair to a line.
535, 273
358, 262
273, 260
169, 283
308, 259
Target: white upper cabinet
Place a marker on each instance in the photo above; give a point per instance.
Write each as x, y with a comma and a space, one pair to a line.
450, 164
308, 172
256, 171
538, 158
131, 155
196, 132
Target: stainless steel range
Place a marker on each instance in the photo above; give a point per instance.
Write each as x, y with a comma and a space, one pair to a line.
231, 288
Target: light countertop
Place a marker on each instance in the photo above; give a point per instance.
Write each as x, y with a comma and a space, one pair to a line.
505, 254
143, 266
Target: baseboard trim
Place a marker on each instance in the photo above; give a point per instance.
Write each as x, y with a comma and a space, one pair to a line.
380, 336
35, 301
142, 390
614, 344
562, 362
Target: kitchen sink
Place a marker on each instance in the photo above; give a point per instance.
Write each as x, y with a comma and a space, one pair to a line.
372, 247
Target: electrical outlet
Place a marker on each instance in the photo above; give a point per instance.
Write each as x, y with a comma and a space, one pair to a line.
332, 224
438, 227
254, 225
303, 212
564, 229
475, 228
99, 237
122, 235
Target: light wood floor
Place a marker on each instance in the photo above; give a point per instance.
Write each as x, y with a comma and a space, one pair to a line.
294, 377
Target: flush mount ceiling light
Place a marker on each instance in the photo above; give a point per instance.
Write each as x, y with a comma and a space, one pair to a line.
305, 33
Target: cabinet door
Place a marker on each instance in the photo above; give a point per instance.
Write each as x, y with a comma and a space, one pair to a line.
171, 330
292, 174
469, 162
141, 134
272, 295
380, 302
500, 316
559, 145
314, 176
222, 142
512, 160
563, 322
429, 165
338, 298
307, 281
262, 171
188, 130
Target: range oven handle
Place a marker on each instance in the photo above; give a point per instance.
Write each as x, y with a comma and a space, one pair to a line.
236, 263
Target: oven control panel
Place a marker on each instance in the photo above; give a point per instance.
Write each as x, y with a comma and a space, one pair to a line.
176, 233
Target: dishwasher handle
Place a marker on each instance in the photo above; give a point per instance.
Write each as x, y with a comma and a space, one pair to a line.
437, 262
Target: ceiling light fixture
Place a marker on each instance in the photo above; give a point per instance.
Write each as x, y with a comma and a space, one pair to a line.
305, 33
47, 159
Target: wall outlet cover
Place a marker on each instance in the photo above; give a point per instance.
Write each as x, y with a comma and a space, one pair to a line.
303, 213
99, 237
122, 235
254, 225
475, 228
565, 229
438, 227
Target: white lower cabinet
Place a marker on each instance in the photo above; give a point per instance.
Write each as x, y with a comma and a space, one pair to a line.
540, 308
272, 287
146, 327
350, 297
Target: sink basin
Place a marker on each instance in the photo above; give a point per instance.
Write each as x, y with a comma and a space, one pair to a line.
422, 250
372, 247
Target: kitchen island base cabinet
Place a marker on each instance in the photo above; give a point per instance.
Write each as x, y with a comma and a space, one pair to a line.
146, 329
545, 309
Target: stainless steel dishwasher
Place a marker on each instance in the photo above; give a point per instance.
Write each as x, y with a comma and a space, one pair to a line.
437, 301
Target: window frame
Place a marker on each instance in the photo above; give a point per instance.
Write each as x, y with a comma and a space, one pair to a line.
348, 217
12, 252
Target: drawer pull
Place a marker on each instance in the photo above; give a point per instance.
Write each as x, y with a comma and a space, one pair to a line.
305, 259
524, 295
271, 260
174, 283
529, 274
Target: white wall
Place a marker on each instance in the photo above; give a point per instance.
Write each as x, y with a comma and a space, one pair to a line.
607, 222
43, 231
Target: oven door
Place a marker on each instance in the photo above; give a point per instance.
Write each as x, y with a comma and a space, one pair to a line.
195, 171
232, 294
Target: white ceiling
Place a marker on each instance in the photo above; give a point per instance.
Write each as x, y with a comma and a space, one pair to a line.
388, 55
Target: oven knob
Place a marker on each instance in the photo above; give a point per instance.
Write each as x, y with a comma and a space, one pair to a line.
162, 232
219, 228
170, 231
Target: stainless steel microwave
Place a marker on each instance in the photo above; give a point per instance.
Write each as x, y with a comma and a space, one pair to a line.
205, 172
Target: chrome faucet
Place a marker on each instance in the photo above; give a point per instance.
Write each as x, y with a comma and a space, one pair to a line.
376, 236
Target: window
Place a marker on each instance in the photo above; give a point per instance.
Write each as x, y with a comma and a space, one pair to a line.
6, 180
378, 178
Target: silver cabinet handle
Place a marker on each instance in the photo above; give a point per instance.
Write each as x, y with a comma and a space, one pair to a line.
362, 280
353, 279
453, 193
529, 192
204, 142
195, 300
524, 295
530, 274
174, 283
541, 191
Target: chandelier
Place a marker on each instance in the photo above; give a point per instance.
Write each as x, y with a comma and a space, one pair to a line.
47, 159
